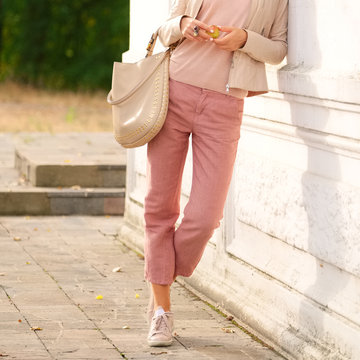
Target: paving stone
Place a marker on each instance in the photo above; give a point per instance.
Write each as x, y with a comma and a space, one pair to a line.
21, 344
51, 312
27, 353
70, 266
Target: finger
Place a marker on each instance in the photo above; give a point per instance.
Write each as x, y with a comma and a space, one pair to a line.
197, 36
192, 37
220, 46
192, 31
202, 25
226, 28
203, 35
220, 41
196, 33
223, 45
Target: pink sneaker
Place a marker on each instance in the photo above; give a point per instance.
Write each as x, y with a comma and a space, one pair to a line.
161, 328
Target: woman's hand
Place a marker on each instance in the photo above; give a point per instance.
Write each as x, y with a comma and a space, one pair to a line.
187, 25
234, 39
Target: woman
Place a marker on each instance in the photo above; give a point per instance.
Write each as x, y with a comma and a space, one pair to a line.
209, 79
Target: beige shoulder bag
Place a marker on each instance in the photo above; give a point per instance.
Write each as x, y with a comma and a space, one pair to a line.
140, 97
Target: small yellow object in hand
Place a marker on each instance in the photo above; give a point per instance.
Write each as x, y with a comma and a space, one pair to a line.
99, 297
215, 32
137, 296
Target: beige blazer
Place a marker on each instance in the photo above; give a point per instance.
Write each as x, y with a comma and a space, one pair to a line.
267, 40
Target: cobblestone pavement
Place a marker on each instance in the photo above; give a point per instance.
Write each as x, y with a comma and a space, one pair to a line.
53, 271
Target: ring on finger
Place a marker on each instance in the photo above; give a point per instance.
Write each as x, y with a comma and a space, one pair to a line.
196, 31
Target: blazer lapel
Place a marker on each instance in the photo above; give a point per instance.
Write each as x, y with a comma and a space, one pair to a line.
193, 8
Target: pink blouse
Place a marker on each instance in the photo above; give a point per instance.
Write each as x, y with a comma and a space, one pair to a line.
203, 64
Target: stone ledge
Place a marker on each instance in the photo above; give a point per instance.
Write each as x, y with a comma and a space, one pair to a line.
50, 201
87, 160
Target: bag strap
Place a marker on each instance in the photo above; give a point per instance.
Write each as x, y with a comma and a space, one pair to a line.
151, 44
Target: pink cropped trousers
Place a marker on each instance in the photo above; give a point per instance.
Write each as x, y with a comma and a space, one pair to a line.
214, 120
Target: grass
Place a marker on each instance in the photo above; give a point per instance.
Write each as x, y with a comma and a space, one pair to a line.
25, 108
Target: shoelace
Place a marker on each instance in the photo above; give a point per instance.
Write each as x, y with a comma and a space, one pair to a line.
160, 325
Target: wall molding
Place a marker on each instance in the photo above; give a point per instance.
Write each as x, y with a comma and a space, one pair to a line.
333, 143
322, 84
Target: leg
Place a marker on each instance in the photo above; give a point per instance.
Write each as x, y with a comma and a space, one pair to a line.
215, 140
166, 159
161, 296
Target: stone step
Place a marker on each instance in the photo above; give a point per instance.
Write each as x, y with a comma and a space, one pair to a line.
61, 174
86, 160
28, 200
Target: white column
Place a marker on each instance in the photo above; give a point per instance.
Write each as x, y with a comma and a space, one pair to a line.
145, 17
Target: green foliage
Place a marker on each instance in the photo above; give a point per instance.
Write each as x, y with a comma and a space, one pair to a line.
62, 43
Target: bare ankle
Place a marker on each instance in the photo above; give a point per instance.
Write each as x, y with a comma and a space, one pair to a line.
164, 307
161, 296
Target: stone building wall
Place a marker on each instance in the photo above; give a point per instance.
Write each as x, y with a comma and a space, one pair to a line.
286, 259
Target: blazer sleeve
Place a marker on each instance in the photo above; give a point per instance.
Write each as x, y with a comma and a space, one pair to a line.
170, 32
270, 50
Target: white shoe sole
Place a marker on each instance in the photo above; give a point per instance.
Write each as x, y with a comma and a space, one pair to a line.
155, 343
